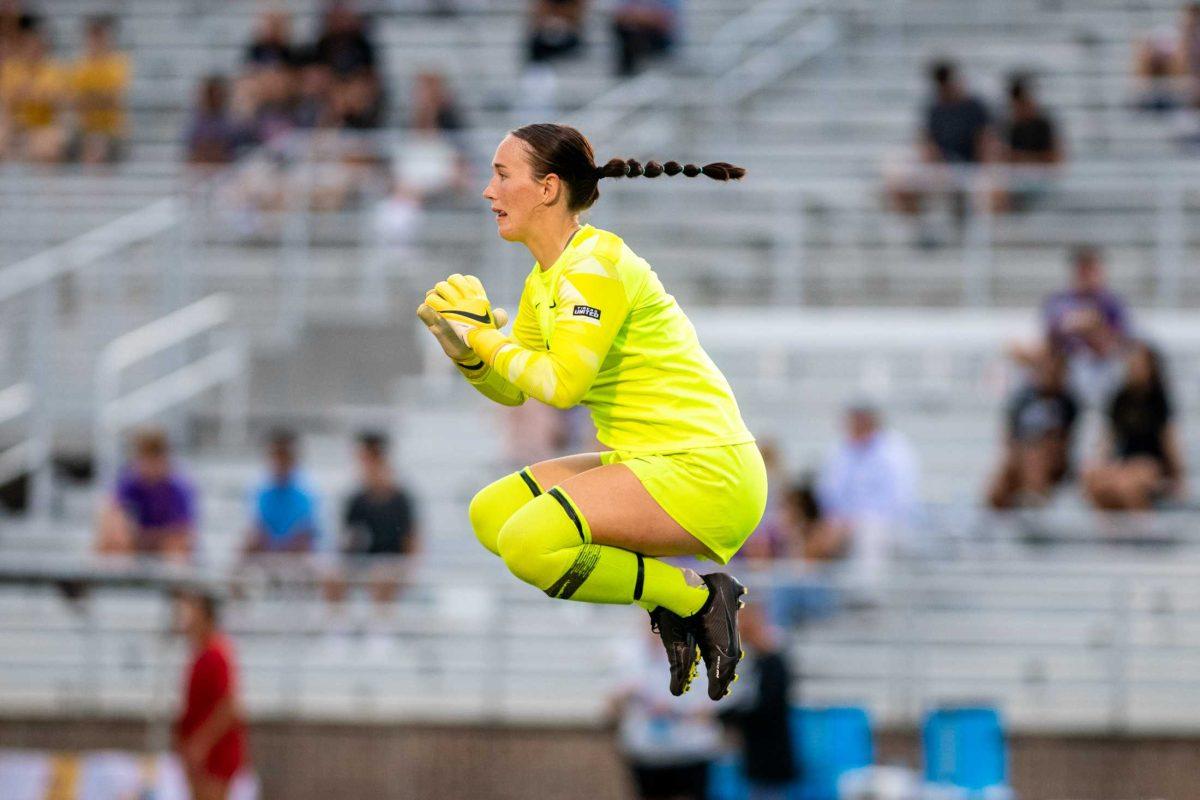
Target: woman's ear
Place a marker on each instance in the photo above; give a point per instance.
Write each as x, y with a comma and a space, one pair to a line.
552, 188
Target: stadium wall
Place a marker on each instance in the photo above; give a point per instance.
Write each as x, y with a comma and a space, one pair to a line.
419, 762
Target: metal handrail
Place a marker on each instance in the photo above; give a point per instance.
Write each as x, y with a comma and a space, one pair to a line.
226, 364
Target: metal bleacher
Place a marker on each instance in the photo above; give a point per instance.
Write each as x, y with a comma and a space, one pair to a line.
1078, 634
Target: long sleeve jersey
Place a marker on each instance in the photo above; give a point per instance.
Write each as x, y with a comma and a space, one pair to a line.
598, 328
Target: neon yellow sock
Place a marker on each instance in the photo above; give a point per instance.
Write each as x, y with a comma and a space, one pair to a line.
497, 501
547, 543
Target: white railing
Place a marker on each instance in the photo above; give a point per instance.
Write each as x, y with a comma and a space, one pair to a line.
225, 363
28, 454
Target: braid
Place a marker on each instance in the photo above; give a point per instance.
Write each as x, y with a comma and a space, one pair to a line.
718, 170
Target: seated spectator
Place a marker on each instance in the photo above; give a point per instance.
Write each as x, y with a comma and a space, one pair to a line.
311, 107
1144, 464
434, 106
101, 78
645, 30
1167, 64
1040, 423
1089, 323
956, 130
343, 43
867, 490
555, 29
213, 136
272, 45
35, 89
379, 520
152, 510
1030, 141
284, 514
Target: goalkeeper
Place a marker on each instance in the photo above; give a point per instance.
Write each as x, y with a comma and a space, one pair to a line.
595, 326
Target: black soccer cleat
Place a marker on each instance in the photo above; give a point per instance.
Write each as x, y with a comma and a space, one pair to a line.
716, 631
682, 653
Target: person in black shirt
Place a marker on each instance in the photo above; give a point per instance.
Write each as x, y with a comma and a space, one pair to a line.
1031, 146
762, 715
379, 524
1040, 420
555, 30
1145, 464
956, 130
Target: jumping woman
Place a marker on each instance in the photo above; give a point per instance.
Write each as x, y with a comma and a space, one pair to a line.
683, 476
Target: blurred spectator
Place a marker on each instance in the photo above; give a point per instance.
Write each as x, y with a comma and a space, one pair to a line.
380, 520
533, 432
555, 29
434, 105
1144, 463
1040, 423
272, 44
36, 91
1167, 64
645, 29
770, 539
152, 510
210, 734
867, 490
1089, 323
761, 710
957, 130
1030, 141
213, 137
101, 77
668, 742
343, 43
311, 108
284, 507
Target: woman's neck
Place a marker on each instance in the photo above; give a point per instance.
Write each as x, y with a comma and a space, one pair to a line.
548, 244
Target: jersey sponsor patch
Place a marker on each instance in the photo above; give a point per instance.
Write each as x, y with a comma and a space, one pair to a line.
586, 311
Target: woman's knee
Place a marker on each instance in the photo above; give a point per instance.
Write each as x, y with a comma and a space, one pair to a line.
490, 508
533, 539
518, 545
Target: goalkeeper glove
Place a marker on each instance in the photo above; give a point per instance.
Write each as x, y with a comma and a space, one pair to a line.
462, 302
452, 344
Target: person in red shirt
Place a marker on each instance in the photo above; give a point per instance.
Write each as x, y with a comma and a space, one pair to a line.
210, 735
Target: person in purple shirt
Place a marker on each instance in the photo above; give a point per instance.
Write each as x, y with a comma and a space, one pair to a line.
1088, 315
152, 509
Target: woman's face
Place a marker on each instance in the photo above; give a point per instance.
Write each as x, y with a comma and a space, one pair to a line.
517, 197
1138, 367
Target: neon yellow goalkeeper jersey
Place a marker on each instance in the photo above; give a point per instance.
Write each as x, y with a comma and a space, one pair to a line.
598, 328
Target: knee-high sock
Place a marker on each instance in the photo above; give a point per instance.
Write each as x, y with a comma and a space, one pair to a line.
547, 543
497, 501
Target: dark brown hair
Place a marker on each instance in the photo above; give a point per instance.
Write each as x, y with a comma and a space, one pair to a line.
565, 152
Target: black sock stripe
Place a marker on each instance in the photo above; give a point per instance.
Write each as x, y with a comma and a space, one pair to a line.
641, 577
478, 365
570, 509
527, 476
577, 573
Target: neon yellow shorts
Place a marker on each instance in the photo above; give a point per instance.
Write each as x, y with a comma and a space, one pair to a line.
718, 494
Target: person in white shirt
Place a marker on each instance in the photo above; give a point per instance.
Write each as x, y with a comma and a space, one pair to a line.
867, 491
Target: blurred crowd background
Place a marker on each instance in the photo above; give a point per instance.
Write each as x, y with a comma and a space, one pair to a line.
955, 297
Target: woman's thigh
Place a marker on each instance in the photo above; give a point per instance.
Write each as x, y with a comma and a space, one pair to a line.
556, 470
621, 513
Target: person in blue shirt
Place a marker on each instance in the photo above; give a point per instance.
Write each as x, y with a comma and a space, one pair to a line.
284, 509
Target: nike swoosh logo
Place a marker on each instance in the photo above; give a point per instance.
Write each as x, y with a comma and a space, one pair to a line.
554, 305
484, 318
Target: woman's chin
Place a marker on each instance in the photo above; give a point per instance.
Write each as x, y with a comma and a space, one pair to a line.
506, 232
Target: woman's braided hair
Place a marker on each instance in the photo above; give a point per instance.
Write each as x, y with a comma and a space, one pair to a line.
564, 151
